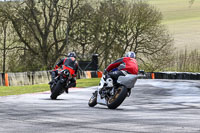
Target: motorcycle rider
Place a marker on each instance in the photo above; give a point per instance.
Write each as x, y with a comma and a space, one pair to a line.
68, 63
121, 67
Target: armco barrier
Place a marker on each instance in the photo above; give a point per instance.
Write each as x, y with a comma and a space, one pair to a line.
41, 77
28, 78
19, 78
1, 79
38, 77
179, 75
198, 76
176, 75
93, 74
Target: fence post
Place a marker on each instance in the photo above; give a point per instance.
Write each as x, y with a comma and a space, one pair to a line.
99, 73
152, 75
6, 80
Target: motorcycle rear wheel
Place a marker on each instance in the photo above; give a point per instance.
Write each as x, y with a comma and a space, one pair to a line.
56, 91
93, 100
118, 98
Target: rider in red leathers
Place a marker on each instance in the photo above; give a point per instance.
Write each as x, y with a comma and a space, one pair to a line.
68, 63
123, 66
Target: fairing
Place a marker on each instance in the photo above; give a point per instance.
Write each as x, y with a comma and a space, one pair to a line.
129, 80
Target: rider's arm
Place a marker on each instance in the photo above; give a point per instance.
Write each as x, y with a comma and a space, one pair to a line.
59, 64
114, 64
76, 67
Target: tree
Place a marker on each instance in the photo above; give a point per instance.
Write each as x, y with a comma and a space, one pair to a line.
147, 37
105, 25
43, 27
48, 29
6, 39
82, 35
4, 29
121, 26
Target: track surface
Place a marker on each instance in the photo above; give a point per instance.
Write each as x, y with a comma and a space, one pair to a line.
155, 106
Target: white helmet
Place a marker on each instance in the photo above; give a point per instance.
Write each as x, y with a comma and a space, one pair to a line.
130, 54
71, 54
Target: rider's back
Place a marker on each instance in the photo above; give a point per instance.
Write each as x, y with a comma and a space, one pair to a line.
131, 65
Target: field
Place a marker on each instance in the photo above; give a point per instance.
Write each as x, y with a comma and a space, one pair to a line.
182, 20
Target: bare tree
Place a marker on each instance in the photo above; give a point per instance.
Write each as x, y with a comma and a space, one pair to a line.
187, 61
48, 29
43, 26
82, 36
104, 31
125, 26
146, 36
6, 39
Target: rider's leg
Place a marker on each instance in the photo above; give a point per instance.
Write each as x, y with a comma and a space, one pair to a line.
71, 84
53, 75
111, 79
115, 75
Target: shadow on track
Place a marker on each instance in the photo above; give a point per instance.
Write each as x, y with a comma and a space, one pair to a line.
105, 108
52, 99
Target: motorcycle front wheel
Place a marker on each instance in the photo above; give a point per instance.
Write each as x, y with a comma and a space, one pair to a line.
56, 91
93, 100
119, 96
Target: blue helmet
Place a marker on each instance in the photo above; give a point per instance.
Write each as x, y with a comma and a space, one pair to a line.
71, 54
130, 54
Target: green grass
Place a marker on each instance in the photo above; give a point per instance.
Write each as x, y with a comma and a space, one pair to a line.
17, 90
87, 82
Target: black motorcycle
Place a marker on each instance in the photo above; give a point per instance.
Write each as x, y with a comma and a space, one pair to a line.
61, 83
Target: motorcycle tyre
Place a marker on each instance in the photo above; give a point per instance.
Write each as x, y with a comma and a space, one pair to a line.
52, 87
93, 100
122, 95
56, 91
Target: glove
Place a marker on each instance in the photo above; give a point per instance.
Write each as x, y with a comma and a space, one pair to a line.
56, 67
74, 75
105, 72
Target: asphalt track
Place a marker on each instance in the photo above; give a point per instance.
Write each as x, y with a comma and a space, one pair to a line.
155, 106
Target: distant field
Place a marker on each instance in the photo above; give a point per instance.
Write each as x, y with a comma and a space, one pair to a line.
182, 20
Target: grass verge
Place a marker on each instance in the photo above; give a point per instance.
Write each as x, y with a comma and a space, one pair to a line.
17, 90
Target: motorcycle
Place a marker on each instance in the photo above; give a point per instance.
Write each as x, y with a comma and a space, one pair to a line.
112, 97
61, 84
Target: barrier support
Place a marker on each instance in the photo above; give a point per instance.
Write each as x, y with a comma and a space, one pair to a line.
6, 80
152, 75
99, 73
88, 74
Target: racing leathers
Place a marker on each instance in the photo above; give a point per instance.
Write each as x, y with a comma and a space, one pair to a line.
71, 65
121, 67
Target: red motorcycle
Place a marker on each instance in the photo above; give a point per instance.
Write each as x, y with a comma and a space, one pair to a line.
61, 84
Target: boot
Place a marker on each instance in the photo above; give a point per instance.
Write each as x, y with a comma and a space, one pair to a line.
66, 90
109, 82
53, 80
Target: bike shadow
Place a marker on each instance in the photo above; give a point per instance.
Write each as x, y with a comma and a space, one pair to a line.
105, 108
49, 99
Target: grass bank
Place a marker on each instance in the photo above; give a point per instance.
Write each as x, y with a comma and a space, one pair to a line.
182, 19
17, 90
